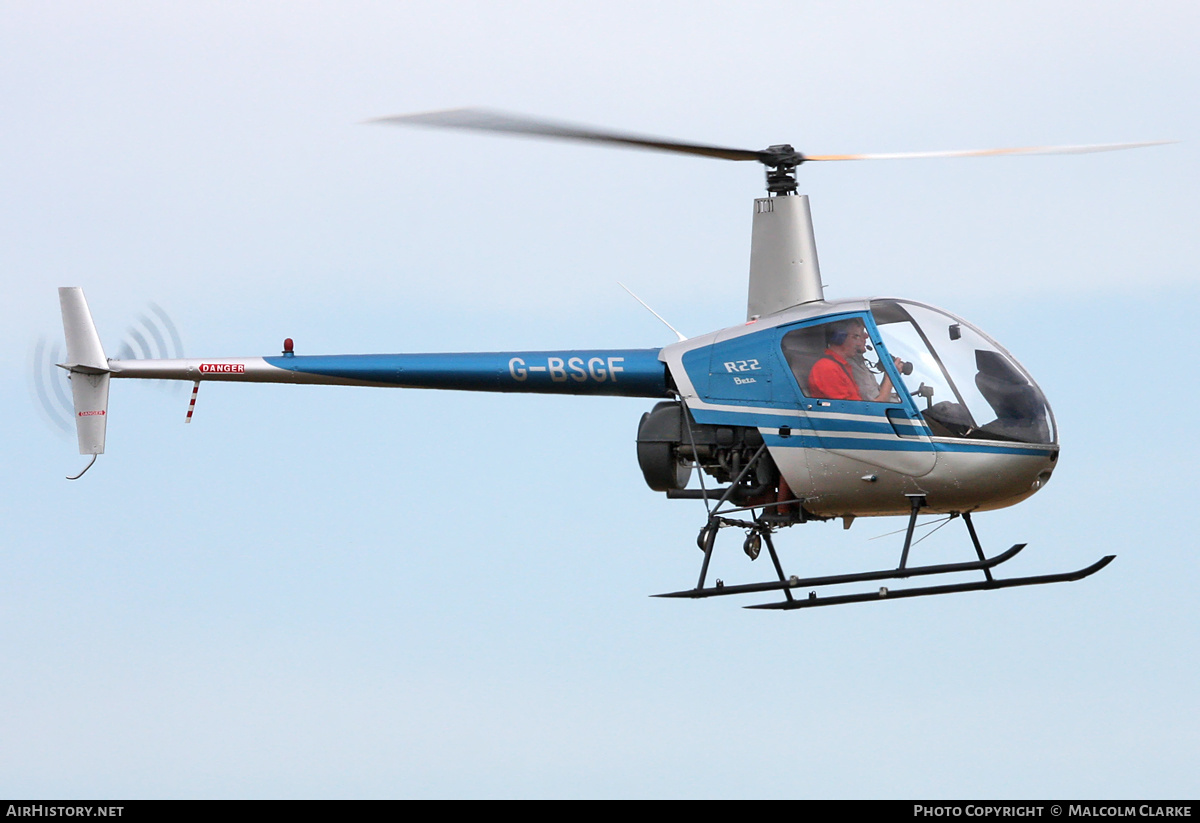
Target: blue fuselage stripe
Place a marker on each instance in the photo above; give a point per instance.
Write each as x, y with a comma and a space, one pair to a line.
614, 372
818, 432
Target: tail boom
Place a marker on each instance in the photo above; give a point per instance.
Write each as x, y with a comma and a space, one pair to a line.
613, 372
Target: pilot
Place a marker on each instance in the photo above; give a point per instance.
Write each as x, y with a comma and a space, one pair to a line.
833, 376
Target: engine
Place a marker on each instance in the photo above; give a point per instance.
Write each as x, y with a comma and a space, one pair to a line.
670, 443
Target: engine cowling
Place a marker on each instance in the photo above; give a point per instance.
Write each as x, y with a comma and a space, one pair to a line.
670, 443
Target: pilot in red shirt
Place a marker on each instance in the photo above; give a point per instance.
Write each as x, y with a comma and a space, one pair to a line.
830, 376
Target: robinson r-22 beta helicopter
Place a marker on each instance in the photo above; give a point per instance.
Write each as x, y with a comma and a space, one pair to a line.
812, 409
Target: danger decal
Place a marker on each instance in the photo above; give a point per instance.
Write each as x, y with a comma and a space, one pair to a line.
222, 368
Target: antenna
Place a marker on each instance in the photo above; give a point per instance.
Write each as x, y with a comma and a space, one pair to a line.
652, 311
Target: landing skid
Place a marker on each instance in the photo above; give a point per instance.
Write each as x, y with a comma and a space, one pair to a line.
981, 585
758, 533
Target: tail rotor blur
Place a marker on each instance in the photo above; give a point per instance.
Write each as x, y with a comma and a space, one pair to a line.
50, 387
152, 335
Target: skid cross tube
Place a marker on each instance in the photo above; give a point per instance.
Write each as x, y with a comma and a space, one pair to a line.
766, 535
709, 535
975, 541
917, 501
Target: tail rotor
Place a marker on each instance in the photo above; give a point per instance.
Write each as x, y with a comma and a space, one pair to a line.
50, 386
152, 337
71, 384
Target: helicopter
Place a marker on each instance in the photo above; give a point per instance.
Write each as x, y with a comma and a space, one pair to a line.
809, 410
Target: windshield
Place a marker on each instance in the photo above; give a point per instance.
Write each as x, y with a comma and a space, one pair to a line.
964, 383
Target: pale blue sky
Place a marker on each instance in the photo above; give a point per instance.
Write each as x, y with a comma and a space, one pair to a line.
359, 592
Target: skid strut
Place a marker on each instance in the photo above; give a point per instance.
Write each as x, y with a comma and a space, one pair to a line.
759, 530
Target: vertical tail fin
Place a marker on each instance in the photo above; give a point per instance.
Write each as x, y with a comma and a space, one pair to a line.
88, 368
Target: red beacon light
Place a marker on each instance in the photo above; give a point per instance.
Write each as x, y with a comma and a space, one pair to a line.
288, 346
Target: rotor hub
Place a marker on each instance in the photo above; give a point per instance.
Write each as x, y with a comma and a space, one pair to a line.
781, 162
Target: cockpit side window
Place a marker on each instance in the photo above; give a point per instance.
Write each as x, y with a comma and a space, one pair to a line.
836, 361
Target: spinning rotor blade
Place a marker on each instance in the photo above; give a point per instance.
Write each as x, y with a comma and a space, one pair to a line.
487, 120
781, 160
495, 121
918, 155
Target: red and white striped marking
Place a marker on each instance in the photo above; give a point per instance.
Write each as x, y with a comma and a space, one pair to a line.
192, 405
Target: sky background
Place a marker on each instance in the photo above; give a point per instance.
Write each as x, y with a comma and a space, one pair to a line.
333, 592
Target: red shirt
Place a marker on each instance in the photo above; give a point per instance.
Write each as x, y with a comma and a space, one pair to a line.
830, 377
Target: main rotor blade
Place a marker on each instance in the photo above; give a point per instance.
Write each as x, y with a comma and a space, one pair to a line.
917, 155
488, 120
